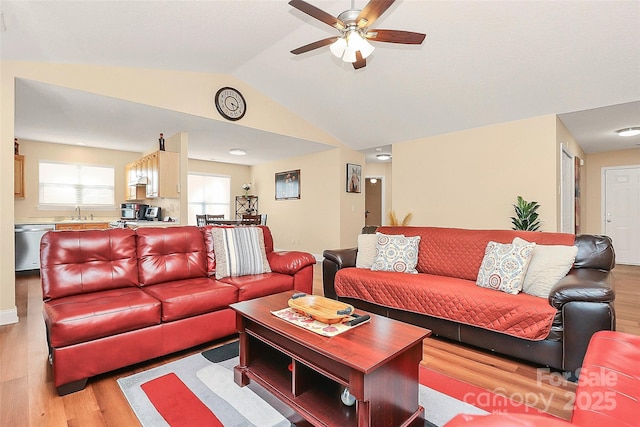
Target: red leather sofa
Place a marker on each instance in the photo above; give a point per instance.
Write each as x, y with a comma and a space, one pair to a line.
579, 305
117, 297
608, 392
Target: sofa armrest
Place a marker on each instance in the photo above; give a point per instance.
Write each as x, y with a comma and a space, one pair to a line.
583, 284
585, 296
289, 262
334, 260
594, 251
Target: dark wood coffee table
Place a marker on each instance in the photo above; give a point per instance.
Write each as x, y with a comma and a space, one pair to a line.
378, 361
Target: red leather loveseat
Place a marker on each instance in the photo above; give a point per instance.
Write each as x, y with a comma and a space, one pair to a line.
443, 296
117, 297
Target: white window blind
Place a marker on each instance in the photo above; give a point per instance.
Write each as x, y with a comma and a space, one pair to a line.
64, 185
208, 194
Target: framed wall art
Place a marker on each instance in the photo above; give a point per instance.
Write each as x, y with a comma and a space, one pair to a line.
288, 185
354, 178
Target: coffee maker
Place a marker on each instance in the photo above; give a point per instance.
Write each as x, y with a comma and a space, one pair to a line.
133, 211
153, 213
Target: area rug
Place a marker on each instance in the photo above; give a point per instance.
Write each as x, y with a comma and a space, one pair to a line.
199, 390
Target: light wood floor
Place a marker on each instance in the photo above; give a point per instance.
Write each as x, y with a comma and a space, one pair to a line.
28, 398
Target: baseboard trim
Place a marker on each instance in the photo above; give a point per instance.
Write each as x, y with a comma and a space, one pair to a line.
8, 317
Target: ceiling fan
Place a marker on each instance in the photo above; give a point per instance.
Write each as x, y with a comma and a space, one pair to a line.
352, 45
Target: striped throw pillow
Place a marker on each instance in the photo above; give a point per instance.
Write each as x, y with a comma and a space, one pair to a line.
239, 251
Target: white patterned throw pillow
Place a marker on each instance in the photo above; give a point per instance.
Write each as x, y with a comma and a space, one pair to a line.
396, 253
504, 266
239, 251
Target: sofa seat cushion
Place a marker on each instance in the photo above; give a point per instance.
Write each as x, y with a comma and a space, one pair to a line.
190, 297
522, 315
259, 285
85, 317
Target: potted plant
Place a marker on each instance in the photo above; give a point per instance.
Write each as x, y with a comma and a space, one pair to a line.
526, 216
246, 188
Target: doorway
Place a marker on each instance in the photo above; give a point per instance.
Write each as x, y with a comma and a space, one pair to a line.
373, 200
621, 211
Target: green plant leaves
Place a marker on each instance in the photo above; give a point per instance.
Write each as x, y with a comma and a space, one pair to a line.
526, 216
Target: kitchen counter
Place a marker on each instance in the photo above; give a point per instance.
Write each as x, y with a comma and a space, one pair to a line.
138, 224
87, 224
62, 220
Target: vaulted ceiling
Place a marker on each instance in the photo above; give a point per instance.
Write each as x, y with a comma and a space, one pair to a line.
483, 62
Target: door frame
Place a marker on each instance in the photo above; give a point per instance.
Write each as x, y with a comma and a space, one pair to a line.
564, 151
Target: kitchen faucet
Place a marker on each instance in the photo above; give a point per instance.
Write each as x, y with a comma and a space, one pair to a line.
77, 208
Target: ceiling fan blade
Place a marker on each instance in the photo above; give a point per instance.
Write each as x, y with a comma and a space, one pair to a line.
395, 36
372, 11
319, 14
314, 45
360, 61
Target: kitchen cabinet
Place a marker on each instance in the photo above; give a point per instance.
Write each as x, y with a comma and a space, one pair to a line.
133, 192
18, 176
161, 173
153, 175
82, 226
163, 177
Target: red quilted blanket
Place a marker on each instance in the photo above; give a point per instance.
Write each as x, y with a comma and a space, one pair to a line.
460, 300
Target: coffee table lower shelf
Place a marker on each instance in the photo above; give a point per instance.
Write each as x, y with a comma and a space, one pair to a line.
311, 383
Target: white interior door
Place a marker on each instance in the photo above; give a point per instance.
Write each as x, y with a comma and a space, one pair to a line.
622, 212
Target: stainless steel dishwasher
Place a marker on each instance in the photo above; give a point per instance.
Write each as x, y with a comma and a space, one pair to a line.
28, 245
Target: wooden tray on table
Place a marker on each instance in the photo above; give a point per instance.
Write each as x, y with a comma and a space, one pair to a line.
322, 309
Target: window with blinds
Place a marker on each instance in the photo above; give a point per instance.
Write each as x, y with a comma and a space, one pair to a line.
208, 194
65, 185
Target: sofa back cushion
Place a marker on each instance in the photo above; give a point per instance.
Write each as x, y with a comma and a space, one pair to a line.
456, 252
166, 254
80, 262
208, 241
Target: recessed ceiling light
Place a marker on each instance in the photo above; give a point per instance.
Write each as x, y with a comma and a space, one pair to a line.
629, 131
237, 152
383, 156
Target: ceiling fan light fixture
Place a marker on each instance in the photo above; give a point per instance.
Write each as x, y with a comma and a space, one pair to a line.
355, 42
349, 54
366, 49
628, 131
338, 47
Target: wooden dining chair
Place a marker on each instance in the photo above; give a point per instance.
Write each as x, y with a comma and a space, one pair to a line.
211, 219
201, 220
250, 219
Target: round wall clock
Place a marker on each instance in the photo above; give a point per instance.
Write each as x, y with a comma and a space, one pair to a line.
230, 103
